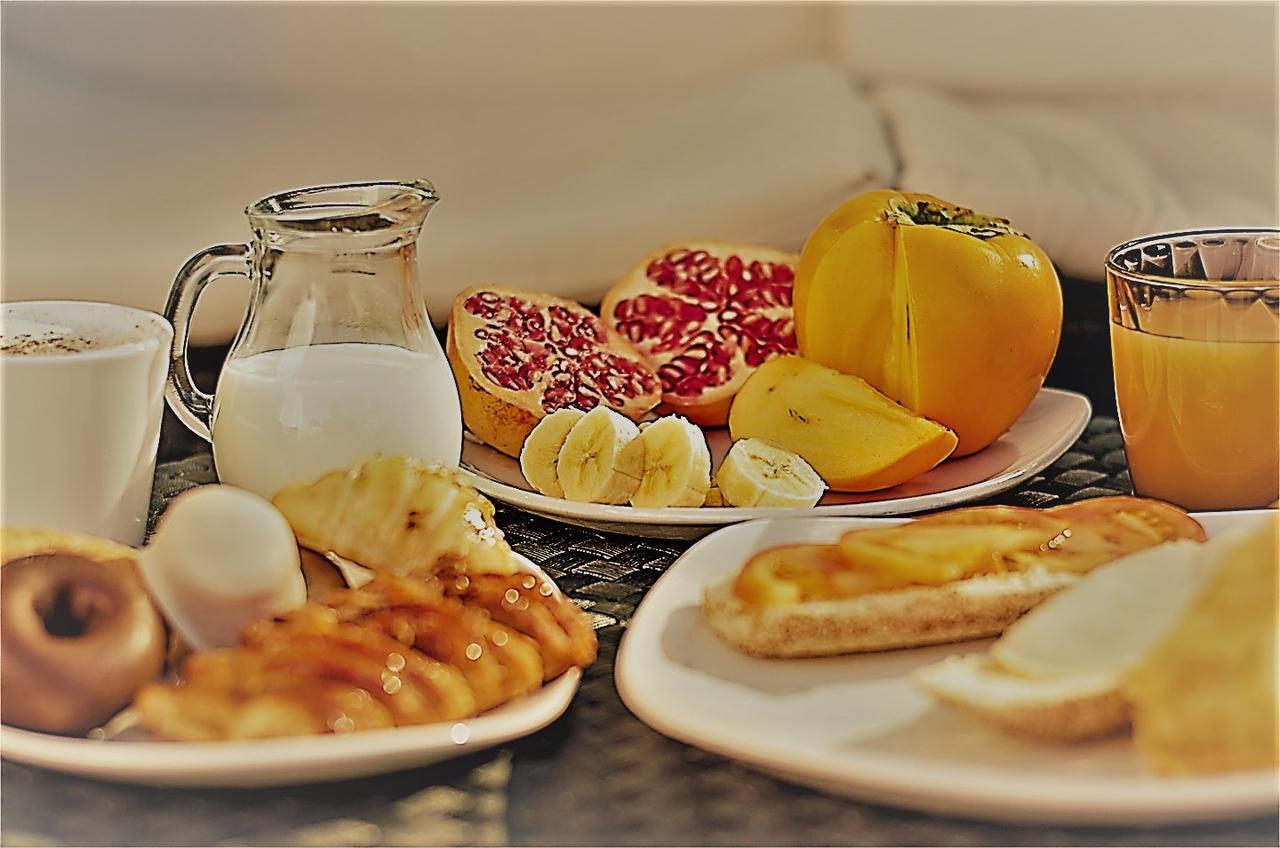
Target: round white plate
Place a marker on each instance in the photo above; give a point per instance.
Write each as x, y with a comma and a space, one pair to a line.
295, 759
855, 725
1050, 425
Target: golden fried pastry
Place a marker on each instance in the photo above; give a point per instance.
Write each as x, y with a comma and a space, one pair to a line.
399, 650
208, 713
531, 604
399, 515
306, 673
498, 663
312, 642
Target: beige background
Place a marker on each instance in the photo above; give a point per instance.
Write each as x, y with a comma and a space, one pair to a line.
567, 141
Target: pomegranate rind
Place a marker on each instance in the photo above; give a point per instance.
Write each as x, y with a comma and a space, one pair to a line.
766, 308
492, 420
714, 414
503, 416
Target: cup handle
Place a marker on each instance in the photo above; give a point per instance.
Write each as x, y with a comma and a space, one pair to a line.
192, 406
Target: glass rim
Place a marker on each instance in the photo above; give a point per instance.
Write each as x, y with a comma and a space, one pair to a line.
1183, 284
276, 208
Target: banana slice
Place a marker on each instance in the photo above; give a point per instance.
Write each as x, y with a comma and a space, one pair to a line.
755, 473
677, 464
601, 460
714, 498
542, 449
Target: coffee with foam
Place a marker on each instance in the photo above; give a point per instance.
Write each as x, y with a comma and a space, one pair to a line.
31, 330
83, 390
32, 339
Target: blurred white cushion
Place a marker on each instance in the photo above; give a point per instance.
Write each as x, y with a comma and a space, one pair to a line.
760, 161
1079, 176
327, 52
1221, 50
568, 141
114, 189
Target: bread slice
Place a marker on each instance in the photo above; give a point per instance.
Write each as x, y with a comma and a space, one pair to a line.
1204, 698
899, 618
1047, 709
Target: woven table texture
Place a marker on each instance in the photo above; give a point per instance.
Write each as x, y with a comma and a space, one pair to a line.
597, 776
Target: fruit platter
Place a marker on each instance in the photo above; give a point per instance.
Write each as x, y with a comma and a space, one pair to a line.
1050, 425
895, 365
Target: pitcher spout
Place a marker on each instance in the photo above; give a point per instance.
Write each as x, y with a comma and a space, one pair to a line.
383, 206
412, 202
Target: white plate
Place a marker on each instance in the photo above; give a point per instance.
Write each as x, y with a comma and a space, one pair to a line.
855, 725
297, 759
1050, 425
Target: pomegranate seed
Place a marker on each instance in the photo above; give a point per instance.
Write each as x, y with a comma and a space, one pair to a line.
709, 314
523, 345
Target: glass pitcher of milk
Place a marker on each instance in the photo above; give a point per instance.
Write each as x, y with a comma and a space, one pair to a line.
336, 359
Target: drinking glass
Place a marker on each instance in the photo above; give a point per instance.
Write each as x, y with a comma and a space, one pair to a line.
1195, 342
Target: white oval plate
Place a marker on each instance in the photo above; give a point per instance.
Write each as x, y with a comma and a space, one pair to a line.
1050, 425
855, 725
295, 759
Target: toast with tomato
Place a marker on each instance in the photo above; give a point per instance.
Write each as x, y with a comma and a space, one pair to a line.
962, 574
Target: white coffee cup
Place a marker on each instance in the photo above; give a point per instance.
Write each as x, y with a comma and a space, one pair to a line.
81, 400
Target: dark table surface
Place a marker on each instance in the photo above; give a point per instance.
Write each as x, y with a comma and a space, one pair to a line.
597, 775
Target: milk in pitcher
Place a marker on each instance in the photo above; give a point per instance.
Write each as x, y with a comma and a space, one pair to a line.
287, 416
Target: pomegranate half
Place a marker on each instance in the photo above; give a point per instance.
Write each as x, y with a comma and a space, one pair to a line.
518, 356
705, 315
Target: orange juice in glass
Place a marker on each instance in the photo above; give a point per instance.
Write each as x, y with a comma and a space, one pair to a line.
1195, 341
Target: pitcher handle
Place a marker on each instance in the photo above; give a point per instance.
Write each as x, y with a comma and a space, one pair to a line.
192, 406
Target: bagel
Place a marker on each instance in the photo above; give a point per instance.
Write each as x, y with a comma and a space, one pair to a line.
78, 632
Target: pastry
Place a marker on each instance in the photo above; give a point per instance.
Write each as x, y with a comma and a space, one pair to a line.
307, 673
398, 651
397, 514
532, 604
499, 663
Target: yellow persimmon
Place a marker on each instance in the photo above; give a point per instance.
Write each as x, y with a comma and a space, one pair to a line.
954, 314
857, 439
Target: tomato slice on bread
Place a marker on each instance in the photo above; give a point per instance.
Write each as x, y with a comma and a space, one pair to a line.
1143, 516
1009, 516
963, 543
1102, 529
